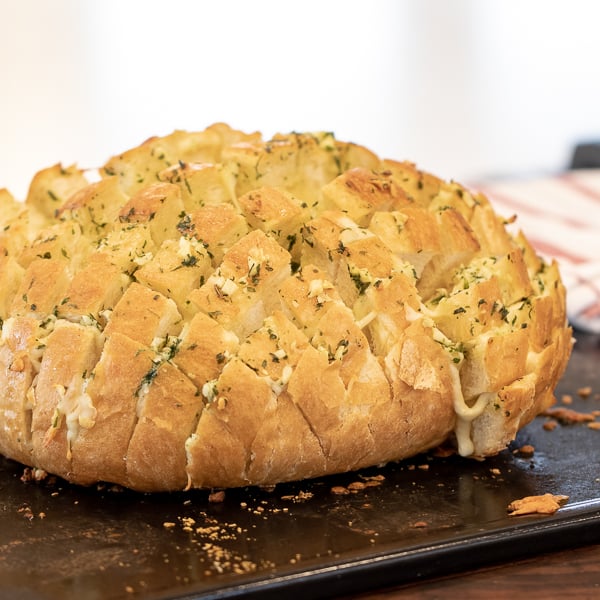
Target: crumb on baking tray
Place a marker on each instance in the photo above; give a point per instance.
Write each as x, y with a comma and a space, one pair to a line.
584, 392
568, 416
32, 474
211, 536
419, 525
546, 504
301, 496
216, 496
357, 486
525, 450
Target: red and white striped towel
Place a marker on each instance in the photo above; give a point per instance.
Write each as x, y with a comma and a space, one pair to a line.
560, 216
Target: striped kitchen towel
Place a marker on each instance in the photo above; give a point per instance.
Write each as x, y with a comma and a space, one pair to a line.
560, 216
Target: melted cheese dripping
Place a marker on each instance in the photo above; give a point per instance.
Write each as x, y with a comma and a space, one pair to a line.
465, 414
77, 407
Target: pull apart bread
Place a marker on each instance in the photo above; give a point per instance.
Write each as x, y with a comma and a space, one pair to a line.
212, 309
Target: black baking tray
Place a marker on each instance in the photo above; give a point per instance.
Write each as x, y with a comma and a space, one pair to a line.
400, 523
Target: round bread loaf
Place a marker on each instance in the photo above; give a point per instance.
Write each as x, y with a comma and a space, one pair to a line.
214, 310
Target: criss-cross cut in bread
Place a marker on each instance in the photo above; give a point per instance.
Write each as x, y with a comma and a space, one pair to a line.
219, 310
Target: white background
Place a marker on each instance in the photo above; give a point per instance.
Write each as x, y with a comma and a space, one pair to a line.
465, 88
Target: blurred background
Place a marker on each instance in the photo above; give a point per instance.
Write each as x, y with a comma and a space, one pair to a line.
465, 88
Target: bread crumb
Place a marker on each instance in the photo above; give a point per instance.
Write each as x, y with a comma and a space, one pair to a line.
216, 497
567, 399
33, 474
526, 450
444, 451
595, 425
299, 497
372, 483
419, 524
568, 416
550, 425
356, 486
546, 504
584, 392
26, 512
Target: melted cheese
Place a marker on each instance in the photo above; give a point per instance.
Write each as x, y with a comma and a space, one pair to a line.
188, 246
364, 321
277, 386
465, 414
77, 407
227, 287
209, 390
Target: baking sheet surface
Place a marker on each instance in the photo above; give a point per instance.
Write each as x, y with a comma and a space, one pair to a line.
422, 517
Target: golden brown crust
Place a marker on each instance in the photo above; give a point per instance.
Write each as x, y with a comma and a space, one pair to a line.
144, 314
17, 372
71, 353
42, 288
167, 413
96, 287
219, 310
99, 452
